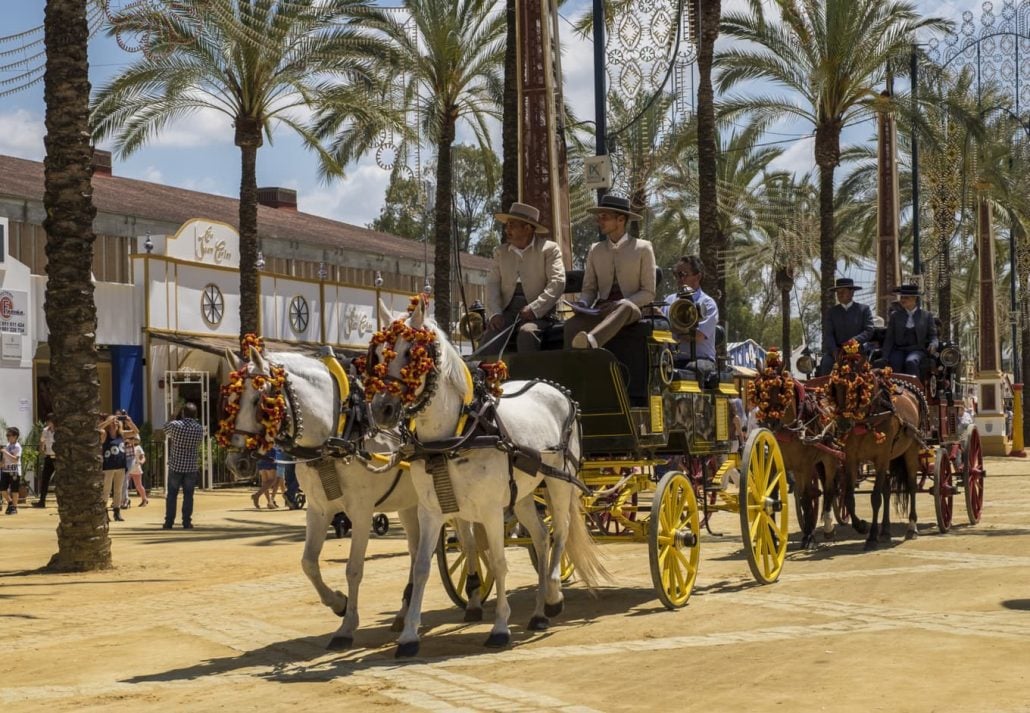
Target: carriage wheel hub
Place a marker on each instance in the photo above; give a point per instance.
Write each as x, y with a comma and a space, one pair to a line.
685, 538
773, 505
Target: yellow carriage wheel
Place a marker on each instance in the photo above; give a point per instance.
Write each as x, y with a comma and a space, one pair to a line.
764, 506
674, 539
453, 564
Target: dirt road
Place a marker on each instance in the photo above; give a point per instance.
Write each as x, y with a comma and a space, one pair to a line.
222, 618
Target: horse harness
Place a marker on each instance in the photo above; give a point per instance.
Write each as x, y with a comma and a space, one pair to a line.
481, 426
806, 415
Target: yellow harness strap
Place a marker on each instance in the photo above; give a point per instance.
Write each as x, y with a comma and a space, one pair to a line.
469, 389
343, 383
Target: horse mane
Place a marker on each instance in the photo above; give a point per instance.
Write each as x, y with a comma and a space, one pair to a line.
302, 366
450, 362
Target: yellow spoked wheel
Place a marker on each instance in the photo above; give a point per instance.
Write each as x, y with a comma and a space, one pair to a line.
764, 506
453, 564
674, 539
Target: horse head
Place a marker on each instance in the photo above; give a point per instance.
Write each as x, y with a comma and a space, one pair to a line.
774, 393
253, 407
401, 366
851, 387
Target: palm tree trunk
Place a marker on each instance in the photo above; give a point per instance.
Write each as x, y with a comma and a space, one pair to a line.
248, 138
785, 281
710, 241
83, 543
442, 223
510, 129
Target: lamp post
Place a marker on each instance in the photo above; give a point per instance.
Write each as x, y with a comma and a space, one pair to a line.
323, 272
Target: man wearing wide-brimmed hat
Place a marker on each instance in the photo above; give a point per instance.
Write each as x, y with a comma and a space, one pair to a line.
619, 278
845, 320
525, 283
911, 333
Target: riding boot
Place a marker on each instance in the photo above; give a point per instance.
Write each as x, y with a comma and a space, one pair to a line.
118, 515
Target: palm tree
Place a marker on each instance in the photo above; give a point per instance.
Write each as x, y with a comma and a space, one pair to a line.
83, 543
450, 69
256, 61
709, 14
830, 54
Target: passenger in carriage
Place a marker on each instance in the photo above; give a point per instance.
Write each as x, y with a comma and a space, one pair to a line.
618, 280
525, 283
689, 272
844, 321
911, 333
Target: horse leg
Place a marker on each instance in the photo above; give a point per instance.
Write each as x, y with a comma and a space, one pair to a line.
526, 511
911, 469
858, 524
875, 499
470, 542
493, 524
409, 521
563, 504
362, 514
888, 481
808, 490
317, 525
830, 485
429, 524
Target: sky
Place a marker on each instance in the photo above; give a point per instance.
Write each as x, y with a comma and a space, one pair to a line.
198, 153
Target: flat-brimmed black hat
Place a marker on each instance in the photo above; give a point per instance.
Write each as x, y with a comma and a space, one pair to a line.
525, 213
615, 204
907, 291
844, 282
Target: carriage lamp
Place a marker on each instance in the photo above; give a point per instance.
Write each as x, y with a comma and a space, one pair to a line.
806, 364
260, 262
379, 279
148, 244
951, 356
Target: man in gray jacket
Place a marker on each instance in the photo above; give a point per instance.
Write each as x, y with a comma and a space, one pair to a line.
525, 282
619, 279
845, 320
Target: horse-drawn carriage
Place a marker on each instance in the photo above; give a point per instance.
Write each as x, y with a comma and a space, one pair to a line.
908, 432
661, 454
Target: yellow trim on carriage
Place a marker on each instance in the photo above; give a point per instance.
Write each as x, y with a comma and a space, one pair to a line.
344, 385
663, 336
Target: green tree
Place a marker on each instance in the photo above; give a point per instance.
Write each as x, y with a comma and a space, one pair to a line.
404, 211
830, 54
256, 61
83, 543
449, 71
475, 189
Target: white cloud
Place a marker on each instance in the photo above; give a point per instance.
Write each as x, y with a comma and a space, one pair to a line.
798, 158
152, 174
357, 199
202, 128
21, 135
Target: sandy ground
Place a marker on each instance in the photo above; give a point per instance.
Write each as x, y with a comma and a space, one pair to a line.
222, 618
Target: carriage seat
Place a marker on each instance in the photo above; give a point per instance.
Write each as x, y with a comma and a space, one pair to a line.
708, 378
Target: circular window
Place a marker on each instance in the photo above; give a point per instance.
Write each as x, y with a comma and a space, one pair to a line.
212, 305
299, 314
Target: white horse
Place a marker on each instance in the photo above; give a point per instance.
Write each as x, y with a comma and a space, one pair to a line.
310, 401
538, 417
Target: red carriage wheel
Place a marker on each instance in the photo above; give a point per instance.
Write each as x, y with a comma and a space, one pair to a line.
973, 474
943, 490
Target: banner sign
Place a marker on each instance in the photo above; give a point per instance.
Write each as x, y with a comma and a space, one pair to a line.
14, 307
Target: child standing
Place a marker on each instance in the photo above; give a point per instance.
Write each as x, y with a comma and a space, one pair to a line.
10, 471
136, 470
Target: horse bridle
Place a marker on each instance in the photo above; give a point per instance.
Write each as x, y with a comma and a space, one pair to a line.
431, 377
293, 422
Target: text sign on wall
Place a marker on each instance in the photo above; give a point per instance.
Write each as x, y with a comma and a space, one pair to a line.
14, 306
207, 242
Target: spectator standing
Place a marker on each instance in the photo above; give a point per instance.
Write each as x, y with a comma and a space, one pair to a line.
267, 477
130, 432
136, 469
113, 449
46, 449
185, 434
10, 471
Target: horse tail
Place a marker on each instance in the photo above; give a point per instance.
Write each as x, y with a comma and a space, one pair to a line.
901, 485
582, 548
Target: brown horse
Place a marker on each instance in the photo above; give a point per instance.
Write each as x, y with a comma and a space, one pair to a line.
799, 422
879, 419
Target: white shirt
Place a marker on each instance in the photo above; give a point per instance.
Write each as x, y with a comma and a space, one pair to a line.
46, 439
521, 252
910, 323
618, 243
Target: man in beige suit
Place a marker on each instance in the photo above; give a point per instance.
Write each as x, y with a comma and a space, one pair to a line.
525, 282
618, 280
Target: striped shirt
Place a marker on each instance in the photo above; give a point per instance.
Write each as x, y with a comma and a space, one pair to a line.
186, 435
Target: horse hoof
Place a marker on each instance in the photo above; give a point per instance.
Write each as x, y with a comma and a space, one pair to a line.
472, 615
829, 536
497, 641
398, 625
861, 527
553, 610
341, 612
539, 623
406, 650
340, 643
870, 545
911, 535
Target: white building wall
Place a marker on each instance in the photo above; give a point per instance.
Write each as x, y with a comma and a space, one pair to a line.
16, 349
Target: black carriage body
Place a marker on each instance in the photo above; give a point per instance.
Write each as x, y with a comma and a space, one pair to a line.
631, 401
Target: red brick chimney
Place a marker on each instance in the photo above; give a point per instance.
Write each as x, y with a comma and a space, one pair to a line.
101, 163
280, 198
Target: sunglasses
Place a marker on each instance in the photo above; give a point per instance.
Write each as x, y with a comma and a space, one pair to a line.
681, 273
